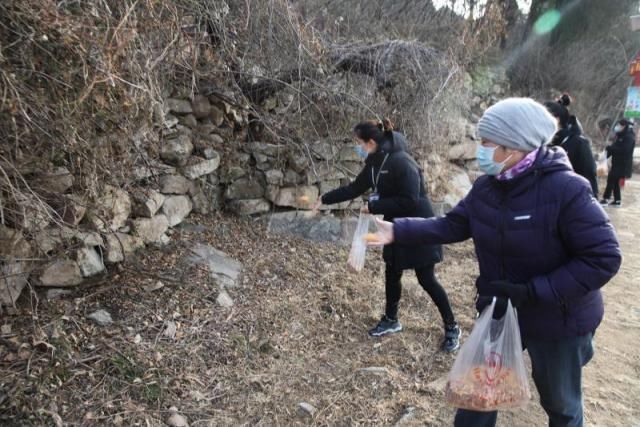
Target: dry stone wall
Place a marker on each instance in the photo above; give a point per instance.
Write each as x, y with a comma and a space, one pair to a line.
198, 157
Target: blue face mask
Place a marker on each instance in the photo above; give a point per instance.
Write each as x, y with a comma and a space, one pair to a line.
361, 151
486, 163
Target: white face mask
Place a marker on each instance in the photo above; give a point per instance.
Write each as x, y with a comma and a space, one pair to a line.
618, 128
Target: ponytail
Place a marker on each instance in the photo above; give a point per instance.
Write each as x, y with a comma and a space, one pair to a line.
378, 130
387, 125
564, 100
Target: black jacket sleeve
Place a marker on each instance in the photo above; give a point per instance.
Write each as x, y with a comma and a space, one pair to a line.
349, 192
620, 146
406, 198
573, 152
611, 149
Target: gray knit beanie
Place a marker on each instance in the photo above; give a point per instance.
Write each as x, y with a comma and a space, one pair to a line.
518, 123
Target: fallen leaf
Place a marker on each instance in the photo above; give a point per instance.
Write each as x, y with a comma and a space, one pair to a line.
154, 287
170, 329
43, 346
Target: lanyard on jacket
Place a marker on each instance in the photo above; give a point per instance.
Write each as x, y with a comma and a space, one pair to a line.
377, 178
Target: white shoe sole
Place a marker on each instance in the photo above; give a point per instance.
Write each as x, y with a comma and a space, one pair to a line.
386, 332
457, 346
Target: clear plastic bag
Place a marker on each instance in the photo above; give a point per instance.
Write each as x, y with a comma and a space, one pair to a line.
359, 244
489, 372
602, 167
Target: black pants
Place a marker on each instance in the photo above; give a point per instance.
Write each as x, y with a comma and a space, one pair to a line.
427, 279
613, 184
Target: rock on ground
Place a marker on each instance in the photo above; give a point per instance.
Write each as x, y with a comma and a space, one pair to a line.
223, 269
101, 317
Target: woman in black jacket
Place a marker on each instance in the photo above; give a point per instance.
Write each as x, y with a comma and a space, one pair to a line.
569, 136
621, 153
397, 191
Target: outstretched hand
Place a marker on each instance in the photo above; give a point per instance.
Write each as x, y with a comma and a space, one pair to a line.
384, 235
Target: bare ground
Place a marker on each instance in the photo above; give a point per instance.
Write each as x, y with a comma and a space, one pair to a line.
297, 333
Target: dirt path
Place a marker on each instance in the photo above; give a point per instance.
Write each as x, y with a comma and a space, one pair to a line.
612, 378
296, 333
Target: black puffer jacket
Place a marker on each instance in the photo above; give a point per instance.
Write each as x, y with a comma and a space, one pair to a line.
400, 185
621, 153
578, 149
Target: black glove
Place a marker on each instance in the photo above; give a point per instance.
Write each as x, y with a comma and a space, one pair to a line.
498, 311
520, 294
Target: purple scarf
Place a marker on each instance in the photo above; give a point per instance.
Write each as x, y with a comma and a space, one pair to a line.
519, 167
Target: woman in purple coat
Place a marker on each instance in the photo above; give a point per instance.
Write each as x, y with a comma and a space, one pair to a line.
541, 239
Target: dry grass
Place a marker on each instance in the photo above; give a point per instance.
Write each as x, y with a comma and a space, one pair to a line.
80, 81
297, 333
94, 111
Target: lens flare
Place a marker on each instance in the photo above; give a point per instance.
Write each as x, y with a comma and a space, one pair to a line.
547, 22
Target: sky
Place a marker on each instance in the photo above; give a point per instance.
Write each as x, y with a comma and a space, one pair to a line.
459, 5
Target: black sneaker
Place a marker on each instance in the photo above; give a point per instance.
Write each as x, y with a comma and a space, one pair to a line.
616, 203
451, 338
604, 202
385, 326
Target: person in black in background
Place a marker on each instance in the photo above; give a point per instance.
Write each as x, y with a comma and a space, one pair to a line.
621, 153
569, 136
398, 190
